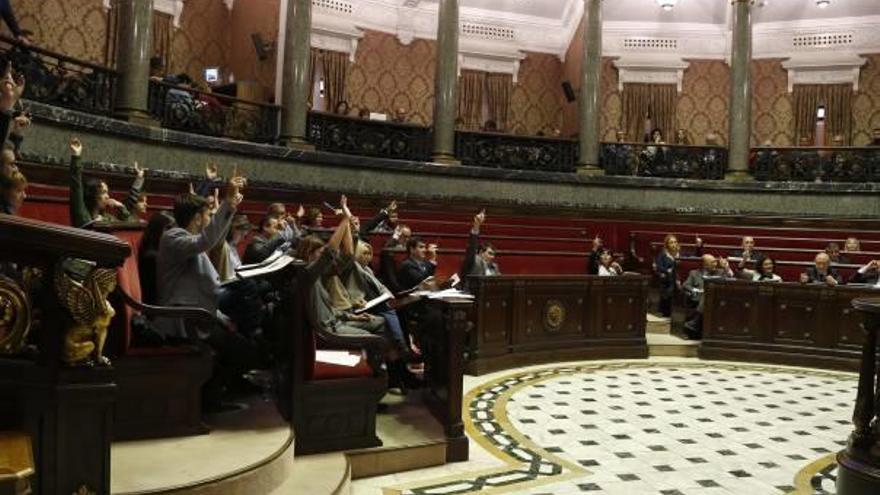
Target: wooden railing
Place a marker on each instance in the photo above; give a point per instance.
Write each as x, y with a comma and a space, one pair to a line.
859, 470
57, 79
212, 114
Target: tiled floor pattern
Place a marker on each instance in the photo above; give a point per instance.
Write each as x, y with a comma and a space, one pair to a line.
666, 428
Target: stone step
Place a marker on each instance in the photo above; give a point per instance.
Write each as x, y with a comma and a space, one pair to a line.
671, 346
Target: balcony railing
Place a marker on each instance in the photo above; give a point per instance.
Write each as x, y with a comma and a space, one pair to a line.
57, 79
664, 160
190, 110
496, 150
812, 164
351, 135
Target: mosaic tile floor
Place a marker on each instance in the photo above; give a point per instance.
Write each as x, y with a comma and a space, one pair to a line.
647, 427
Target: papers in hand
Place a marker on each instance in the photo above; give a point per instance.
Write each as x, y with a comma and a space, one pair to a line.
340, 358
272, 264
413, 290
444, 294
372, 303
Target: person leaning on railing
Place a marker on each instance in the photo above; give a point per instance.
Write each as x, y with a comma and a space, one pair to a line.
821, 272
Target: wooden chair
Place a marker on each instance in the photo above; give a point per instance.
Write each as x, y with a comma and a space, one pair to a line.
159, 388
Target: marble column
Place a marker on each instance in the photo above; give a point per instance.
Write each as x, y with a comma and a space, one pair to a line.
740, 125
295, 77
446, 82
591, 73
134, 49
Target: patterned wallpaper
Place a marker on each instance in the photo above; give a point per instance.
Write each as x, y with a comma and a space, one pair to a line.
74, 27
537, 99
866, 103
703, 102
253, 16
772, 105
387, 75
200, 41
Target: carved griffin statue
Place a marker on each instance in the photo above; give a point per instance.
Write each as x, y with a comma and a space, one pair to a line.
82, 289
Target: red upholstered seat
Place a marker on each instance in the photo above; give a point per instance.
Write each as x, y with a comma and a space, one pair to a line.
324, 370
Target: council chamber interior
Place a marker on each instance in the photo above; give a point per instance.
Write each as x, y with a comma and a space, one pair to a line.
419, 247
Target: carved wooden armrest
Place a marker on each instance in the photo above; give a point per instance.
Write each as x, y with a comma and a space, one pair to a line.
174, 312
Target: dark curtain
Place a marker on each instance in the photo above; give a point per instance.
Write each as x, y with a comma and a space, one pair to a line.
837, 99
498, 90
470, 98
335, 65
656, 101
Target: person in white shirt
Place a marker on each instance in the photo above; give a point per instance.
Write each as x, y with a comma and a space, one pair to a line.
607, 266
868, 274
764, 272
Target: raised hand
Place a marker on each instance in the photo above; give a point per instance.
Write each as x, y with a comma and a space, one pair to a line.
112, 203
138, 170
343, 207
21, 122
830, 280
76, 146
479, 218
192, 190
236, 184
355, 223
804, 278
392, 206
300, 212
597, 242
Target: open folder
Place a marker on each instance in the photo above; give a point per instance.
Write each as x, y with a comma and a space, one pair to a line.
372, 303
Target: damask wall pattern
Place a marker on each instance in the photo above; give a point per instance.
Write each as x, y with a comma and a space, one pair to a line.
388, 75
77, 28
201, 40
772, 105
536, 102
866, 102
703, 103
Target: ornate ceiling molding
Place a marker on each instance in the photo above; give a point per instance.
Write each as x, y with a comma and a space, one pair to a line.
173, 8
840, 68
653, 70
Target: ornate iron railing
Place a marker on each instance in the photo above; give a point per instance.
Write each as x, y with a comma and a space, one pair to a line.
840, 164
495, 150
57, 79
190, 110
341, 134
664, 160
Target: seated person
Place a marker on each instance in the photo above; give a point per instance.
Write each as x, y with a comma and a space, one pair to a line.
607, 266
419, 265
273, 236
186, 277
593, 257
289, 222
833, 252
694, 288
852, 245
747, 252
321, 259
13, 191
224, 256
479, 259
384, 221
763, 272
91, 202
868, 274
821, 273
149, 251
387, 266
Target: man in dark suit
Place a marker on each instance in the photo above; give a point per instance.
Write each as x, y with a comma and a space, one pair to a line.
478, 259
747, 252
821, 273
694, 287
420, 264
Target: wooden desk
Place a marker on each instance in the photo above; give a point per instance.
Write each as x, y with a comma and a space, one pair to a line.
783, 323
530, 319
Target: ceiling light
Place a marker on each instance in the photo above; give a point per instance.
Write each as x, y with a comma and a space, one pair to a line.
823, 3
667, 4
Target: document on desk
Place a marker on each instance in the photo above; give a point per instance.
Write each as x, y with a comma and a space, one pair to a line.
372, 303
